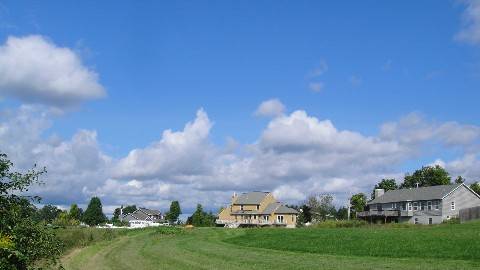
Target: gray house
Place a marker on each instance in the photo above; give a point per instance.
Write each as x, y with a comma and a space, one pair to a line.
425, 205
143, 217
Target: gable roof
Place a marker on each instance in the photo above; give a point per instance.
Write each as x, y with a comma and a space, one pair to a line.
149, 211
278, 208
415, 194
137, 215
141, 214
255, 197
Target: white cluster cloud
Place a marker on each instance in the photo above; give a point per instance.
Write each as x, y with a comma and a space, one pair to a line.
271, 107
470, 33
35, 70
297, 154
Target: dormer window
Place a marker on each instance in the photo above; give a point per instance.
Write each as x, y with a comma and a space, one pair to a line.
258, 207
241, 207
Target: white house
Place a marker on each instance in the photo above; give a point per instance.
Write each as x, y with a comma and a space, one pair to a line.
143, 217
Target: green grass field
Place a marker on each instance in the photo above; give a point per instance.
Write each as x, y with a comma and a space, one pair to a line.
435, 247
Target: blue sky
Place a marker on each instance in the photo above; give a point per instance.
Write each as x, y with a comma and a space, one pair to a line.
159, 62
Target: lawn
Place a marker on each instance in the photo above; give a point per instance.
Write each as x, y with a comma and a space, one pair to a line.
436, 247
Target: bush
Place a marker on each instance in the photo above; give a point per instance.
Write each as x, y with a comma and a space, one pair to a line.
82, 237
341, 224
451, 221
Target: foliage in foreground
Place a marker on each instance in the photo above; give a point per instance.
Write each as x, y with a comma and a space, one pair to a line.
23, 241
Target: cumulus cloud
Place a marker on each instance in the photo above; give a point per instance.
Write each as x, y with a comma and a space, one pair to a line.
470, 33
71, 164
36, 70
178, 154
271, 107
296, 155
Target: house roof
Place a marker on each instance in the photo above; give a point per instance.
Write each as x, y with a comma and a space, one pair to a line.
141, 214
255, 197
415, 194
149, 211
271, 208
282, 209
137, 215
278, 208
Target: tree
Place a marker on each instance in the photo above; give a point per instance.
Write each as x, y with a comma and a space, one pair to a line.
459, 180
65, 219
342, 213
427, 176
198, 216
174, 212
321, 207
75, 212
23, 241
358, 202
94, 214
126, 210
48, 213
305, 214
476, 187
385, 184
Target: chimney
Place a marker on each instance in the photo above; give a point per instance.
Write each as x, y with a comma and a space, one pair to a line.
379, 192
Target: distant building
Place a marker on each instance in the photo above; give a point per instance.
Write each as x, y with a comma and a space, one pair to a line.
257, 209
143, 217
424, 205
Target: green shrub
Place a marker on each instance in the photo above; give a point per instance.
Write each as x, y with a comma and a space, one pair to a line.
452, 221
341, 224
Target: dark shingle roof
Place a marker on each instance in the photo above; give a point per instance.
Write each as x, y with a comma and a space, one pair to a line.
415, 194
149, 211
255, 197
137, 215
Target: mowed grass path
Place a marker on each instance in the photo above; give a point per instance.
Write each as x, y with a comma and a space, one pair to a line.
220, 248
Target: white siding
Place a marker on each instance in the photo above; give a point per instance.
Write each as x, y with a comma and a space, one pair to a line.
462, 197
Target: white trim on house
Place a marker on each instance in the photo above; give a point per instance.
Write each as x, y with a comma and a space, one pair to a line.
462, 184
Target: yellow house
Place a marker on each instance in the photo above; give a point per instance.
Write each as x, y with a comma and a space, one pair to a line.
257, 209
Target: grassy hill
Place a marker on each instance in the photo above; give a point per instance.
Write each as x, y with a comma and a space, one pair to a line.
435, 247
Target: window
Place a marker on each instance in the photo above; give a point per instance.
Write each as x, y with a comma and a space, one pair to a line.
293, 218
415, 221
280, 219
404, 206
409, 206
415, 206
241, 207
452, 206
258, 207
429, 205
435, 204
430, 221
422, 205
254, 216
265, 218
